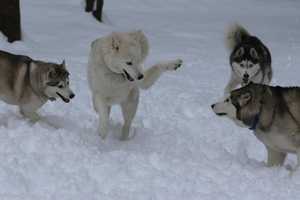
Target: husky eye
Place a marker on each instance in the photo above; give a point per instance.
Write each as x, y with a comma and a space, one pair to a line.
129, 63
242, 65
227, 100
60, 86
250, 65
52, 84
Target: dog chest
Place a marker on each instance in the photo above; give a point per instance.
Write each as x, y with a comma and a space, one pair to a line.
277, 141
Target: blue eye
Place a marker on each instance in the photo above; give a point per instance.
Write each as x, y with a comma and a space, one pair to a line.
52, 84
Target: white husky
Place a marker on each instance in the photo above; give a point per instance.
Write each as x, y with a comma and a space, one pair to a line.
115, 75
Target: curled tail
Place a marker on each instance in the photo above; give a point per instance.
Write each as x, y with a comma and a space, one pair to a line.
235, 35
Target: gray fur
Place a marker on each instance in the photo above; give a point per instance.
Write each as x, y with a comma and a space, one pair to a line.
24, 82
277, 114
250, 59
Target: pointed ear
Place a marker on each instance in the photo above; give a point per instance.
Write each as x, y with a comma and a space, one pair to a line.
63, 64
240, 52
115, 42
253, 53
244, 98
141, 38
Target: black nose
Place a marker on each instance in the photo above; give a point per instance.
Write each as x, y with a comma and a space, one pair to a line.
212, 106
72, 96
246, 76
141, 76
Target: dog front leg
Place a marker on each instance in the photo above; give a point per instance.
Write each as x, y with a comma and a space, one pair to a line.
129, 108
103, 111
275, 158
153, 73
30, 114
233, 82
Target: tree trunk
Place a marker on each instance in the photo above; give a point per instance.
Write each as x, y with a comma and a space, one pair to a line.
10, 19
99, 7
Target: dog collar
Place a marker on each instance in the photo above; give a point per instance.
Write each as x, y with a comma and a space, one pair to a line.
255, 122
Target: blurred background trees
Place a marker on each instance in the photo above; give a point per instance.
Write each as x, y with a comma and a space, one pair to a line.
95, 6
10, 19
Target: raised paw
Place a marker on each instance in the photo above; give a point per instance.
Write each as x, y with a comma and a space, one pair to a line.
174, 65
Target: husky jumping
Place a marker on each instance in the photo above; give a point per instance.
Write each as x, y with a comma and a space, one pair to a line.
250, 59
115, 74
29, 83
273, 113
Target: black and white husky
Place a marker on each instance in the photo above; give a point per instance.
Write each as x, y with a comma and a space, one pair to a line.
250, 59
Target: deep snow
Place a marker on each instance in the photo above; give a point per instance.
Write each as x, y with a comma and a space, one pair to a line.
181, 150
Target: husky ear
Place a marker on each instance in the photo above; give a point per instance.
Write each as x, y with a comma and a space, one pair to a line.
141, 38
115, 42
253, 53
63, 64
240, 52
244, 98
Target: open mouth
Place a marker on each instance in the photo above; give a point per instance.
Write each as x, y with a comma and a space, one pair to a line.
66, 100
128, 77
245, 80
221, 114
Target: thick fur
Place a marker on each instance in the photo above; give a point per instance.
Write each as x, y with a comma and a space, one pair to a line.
250, 59
273, 111
29, 84
115, 75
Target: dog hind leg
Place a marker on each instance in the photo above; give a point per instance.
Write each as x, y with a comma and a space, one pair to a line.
129, 108
275, 158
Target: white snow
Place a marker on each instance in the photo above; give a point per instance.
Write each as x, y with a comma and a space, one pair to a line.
181, 150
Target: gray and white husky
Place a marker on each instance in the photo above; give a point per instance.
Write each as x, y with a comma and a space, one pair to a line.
273, 113
250, 59
29, 83
115, 75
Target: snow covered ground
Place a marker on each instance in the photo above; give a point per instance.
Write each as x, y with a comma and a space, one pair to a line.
181, 150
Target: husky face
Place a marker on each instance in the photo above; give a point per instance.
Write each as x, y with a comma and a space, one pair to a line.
248, 101
242, 106
57, 83
128, 51
225, 108
245, 63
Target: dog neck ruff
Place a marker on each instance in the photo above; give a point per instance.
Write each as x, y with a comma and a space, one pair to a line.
255, 122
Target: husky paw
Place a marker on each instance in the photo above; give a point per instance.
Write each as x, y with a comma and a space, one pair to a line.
174, 65
127, 134
33, 117
102, 133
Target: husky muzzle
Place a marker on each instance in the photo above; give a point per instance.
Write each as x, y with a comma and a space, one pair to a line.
130, 78
246, 78
66, 99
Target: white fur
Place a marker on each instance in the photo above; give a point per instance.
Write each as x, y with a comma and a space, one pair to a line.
107, 78
227, 109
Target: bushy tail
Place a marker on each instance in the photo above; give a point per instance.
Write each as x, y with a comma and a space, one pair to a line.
235, 35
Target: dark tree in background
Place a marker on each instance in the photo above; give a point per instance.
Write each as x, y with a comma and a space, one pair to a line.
90, 8
10, 19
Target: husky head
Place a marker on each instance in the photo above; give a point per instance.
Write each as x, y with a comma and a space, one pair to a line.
56, 83
126, 53
243, 105
245, 62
